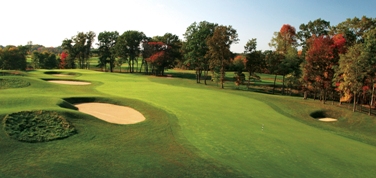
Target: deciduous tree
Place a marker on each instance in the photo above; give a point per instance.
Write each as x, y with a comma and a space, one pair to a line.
354, 29
288, 35
195, 48
62, 61
316, 28
13, 58
107, 53
219, 48
321, 58
254, 61
354, 68
78, 48
128, 45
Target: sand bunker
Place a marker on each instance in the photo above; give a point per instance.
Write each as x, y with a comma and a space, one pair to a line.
112, 113
67, 82
328, 120
61, 75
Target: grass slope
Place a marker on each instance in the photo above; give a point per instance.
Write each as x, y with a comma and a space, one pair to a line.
191, 130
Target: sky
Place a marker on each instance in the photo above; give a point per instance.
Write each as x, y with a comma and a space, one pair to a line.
48, 23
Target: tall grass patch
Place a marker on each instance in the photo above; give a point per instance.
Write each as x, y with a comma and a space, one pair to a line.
13, 83
37, 126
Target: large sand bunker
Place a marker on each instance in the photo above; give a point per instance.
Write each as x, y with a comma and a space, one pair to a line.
112, 113
69, 82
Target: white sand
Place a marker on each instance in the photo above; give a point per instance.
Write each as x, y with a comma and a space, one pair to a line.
112, 113
328, 120
67, 82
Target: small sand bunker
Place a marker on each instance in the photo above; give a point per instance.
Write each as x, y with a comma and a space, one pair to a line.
328, 120
68, 82
112, 113
61, 75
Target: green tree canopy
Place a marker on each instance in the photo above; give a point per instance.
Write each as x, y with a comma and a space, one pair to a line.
195, 47
219, 48
106, 42
128, 45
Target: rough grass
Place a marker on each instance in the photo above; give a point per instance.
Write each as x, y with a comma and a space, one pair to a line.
37, 126
12, 82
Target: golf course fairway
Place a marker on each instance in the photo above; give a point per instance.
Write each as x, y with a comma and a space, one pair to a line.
190, 130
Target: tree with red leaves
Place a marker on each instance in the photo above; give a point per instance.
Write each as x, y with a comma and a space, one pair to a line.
157, 56
62, 62
321, 57
288, 35
286, 60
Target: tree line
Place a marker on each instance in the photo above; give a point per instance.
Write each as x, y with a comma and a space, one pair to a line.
319, 59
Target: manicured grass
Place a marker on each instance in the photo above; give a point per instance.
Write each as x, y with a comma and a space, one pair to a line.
192, 130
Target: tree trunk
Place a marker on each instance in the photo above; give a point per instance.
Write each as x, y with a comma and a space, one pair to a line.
275, 78
206, 75
132, 67
314, 93
197, 76
146, 67
136, 65
222, 74
283, 84
354, 106
371, 102
249, 80
129, 65
142, 64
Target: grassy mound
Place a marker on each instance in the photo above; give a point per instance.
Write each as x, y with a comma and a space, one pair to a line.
37, 126
13, 83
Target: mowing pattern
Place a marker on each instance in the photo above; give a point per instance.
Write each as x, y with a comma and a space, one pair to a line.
37, 126
13, 83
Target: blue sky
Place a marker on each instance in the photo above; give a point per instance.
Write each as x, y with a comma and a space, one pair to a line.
50, 22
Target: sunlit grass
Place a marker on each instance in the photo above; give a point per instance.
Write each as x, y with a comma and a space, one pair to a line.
191, 130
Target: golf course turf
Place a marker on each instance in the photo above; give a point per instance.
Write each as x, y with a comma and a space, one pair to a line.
190, 130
